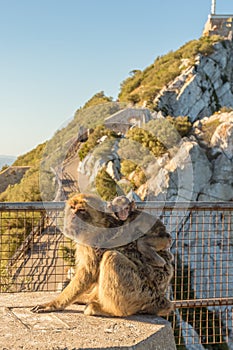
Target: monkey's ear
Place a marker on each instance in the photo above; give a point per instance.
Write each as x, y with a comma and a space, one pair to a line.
71, 203
109, 208
132, 206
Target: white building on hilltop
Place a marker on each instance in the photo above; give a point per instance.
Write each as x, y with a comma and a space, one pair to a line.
219, 24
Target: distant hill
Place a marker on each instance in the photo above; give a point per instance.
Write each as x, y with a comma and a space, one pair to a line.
6, 160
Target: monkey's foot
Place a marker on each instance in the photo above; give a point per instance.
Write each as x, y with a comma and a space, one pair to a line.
166, 310
94, 309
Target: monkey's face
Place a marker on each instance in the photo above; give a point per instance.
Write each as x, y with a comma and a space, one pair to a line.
122, 212
85, 221
121, 207
86, 207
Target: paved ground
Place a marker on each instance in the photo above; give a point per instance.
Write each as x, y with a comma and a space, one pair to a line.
21, 329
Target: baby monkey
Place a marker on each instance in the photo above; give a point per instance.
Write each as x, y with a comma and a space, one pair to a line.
155, 237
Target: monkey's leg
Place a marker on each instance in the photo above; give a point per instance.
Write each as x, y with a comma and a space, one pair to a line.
81, 282
88, 296
120, 287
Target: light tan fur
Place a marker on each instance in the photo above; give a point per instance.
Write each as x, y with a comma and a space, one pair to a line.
120, 281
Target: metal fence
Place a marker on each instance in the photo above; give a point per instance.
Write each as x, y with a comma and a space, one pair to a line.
34, 255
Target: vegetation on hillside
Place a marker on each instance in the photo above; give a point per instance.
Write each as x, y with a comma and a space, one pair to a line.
38, 183
159, 135
95, 138
144, 85
106, 187
32, 157
60, 146
28, 189
98, 99
142, 145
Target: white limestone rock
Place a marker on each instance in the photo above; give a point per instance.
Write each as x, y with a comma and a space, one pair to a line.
223, 139
181, 178
223, 169
104, 157
219, 192
202, 88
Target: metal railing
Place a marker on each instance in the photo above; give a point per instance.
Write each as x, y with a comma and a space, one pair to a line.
35, 256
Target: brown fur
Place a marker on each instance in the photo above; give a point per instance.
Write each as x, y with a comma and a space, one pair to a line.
120, 281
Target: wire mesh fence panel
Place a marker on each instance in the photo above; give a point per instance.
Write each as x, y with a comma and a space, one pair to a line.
202, 287
35, 256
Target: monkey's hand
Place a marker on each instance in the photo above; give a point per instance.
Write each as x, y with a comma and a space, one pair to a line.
156, 260
150, 254
47, 307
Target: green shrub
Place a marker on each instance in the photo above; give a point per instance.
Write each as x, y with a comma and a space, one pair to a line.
127, 167
97, 99
93, 139
106, 187
181, 124
209, 128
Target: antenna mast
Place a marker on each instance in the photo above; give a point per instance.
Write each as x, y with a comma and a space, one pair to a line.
213, 7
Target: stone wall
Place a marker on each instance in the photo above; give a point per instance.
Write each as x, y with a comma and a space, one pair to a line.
123, 120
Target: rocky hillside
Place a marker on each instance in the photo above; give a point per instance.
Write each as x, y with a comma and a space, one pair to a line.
198, 166
202, 88
160, 162
195, 81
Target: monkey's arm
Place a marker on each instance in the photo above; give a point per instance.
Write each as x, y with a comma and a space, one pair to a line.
74, 289
86, 275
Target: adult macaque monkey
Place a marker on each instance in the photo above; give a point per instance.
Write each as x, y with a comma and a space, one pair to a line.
114, 281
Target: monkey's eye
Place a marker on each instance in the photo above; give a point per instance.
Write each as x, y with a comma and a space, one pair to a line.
117, 209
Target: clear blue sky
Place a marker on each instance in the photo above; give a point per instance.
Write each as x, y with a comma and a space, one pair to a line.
56, 54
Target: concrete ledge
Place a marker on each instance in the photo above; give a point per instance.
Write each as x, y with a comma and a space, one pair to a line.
71, 330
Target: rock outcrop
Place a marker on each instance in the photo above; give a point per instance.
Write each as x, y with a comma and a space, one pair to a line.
180, 179
202, 88
202, 167
97, 160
